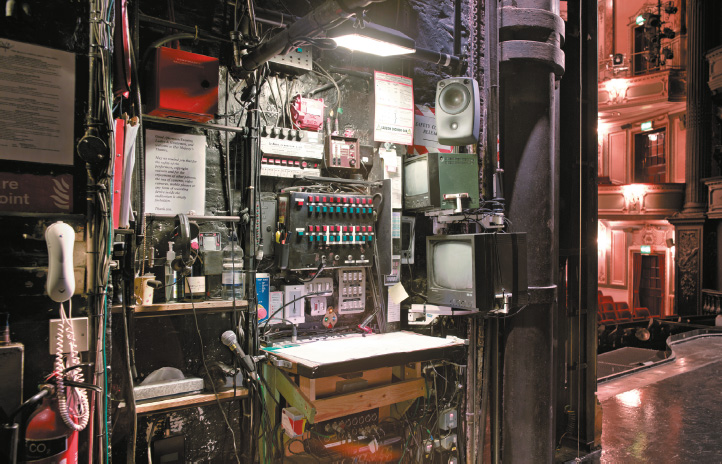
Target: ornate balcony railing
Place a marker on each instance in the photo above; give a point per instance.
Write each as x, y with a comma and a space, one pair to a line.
711, 301
647, 200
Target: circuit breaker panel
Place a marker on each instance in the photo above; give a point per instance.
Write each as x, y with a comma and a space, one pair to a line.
335, 229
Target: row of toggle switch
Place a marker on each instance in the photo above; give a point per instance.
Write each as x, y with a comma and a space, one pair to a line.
340, 228
337, 239
338, 209
334, 199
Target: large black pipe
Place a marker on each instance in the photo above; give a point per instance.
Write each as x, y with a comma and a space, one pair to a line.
530, 63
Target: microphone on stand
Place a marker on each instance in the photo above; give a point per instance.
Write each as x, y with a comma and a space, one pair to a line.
231, 341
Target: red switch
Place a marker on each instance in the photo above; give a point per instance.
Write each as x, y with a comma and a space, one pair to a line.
324, 199
325, 228
310, 228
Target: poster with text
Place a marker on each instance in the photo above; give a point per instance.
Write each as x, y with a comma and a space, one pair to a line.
175, 178
394, 108
37, 98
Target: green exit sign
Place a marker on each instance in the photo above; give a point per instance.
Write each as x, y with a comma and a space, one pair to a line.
647, 125
645, 249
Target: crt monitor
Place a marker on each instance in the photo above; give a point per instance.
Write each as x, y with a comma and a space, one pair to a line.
428, 178
468, 271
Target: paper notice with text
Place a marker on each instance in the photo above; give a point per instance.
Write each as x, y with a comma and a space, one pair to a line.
37, 98
394, 108
175, 178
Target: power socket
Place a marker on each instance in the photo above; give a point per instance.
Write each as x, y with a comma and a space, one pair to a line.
80, 327
318, 305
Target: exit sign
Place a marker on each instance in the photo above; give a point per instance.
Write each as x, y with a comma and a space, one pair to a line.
645, 249
647, 125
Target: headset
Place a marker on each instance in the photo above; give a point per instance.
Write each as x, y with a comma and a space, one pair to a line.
185, 231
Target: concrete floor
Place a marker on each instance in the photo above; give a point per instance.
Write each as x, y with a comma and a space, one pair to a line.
670, 413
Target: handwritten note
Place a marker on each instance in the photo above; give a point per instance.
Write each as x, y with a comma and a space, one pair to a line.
175, 180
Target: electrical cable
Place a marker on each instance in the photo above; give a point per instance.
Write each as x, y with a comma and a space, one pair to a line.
78, 396
215, 392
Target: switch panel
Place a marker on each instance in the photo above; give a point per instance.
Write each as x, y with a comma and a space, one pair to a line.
289, 168
320, 284
351, 290
292, 143
294, 312
343, 153
337, 229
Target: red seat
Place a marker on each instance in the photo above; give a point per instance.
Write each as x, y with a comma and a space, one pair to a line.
606, 299
641, 313
621, 305
607, 307
624, 315
609, 316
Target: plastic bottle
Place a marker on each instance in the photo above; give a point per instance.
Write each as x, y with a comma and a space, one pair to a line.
171, 288
233, 278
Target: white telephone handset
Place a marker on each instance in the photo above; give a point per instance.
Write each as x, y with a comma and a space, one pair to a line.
61, 280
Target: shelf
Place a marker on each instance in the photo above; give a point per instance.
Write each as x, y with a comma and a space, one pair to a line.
199, 399
194, 124
174, 309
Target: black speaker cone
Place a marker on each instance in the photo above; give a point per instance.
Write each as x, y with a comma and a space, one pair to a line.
454, 98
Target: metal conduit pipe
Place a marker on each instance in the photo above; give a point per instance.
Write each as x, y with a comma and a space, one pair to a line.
531, 60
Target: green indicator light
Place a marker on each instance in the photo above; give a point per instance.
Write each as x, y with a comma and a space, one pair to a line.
299, 50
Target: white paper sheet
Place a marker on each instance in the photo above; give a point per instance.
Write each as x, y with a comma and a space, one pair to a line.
37, 103
175, 179
126, 214
394, 108
346, 349
393, 311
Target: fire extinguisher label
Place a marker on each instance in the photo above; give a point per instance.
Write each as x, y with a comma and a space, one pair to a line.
36, 450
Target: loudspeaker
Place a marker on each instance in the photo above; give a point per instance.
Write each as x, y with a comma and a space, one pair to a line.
457, 111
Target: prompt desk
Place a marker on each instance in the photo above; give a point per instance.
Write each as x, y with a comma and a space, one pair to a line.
331, 378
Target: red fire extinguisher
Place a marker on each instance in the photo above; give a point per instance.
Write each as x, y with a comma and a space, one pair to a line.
47, 439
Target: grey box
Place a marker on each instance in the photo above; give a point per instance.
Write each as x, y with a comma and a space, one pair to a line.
212, 262
168, 388
11, 376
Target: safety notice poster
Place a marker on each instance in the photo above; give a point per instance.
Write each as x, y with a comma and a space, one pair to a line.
37, 98
394, 108
175, 179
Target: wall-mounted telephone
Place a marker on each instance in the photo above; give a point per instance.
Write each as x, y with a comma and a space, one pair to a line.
60, 238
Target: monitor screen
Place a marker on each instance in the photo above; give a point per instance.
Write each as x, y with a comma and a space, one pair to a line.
416, 178
453, 265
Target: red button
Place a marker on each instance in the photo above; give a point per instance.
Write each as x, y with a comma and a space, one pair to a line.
325, 228
310, 228
371, 229
338, 228
296, 163
299, 202
324, 199
345, 228
264, 160
318, 198
304, 164
318, 228
276, 161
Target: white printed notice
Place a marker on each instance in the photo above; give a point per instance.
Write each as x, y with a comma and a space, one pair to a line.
394, 108
37, 98
175, 178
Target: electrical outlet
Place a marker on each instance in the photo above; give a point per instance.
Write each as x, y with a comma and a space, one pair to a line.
318, 305
80, 327
448, 419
